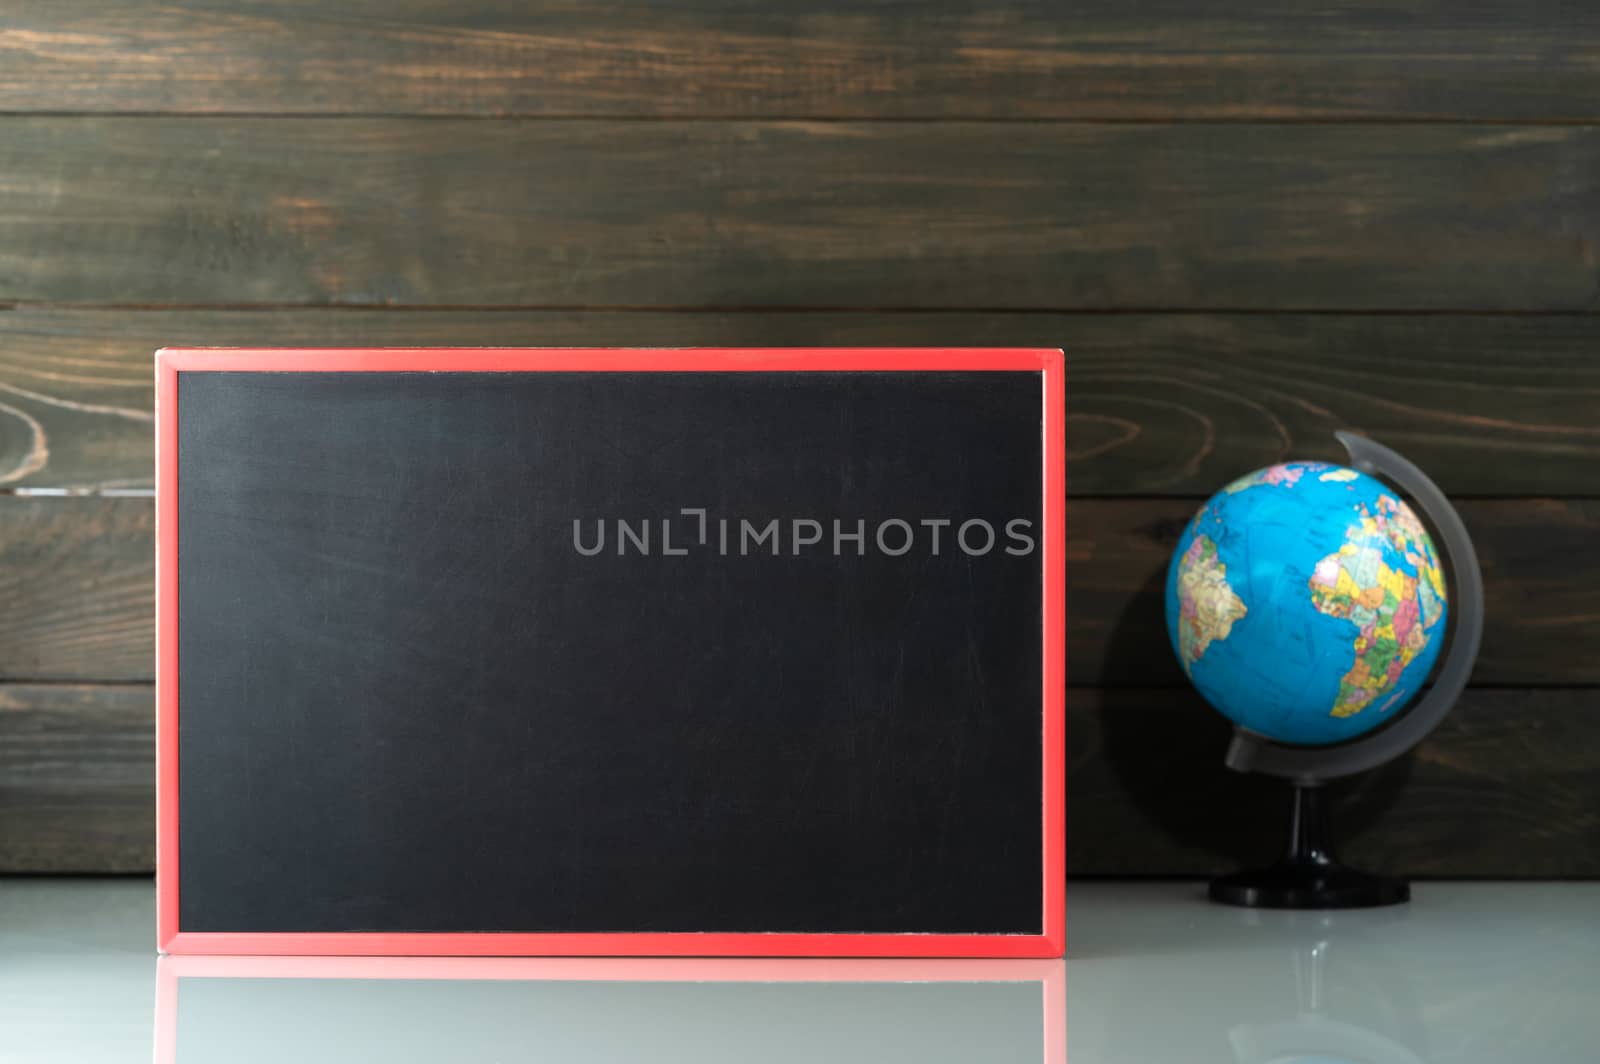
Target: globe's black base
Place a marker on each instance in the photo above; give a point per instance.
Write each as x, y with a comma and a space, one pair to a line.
1308, 875
1291, 884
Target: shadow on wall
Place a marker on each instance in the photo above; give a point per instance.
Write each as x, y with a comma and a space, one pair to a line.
1148, 794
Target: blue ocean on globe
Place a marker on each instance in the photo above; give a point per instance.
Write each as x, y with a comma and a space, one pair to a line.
1306, 603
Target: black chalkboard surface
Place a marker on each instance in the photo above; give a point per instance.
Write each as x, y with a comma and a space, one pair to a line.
627, 652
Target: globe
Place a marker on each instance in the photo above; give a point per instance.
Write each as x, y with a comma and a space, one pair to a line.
1306, 603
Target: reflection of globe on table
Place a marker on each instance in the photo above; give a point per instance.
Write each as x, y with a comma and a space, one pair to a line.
1306, 602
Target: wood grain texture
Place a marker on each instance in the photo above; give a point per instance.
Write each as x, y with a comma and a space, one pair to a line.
165, 211
1505, 788
1157, 404
78, 581
77, 778
1240, 59
1015, 195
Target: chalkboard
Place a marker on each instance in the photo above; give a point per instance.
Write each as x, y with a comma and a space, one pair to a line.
610, 652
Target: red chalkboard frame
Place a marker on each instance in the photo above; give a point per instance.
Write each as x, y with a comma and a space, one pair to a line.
170, 936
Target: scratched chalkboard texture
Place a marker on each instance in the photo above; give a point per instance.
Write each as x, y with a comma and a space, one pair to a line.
411, 700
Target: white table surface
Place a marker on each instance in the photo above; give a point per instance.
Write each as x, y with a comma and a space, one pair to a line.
1490, 973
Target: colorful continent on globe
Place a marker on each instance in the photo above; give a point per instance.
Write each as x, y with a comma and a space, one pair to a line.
1283, 476
1393, 611
1208, 607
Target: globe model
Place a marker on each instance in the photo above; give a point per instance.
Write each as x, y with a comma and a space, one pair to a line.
1306, 603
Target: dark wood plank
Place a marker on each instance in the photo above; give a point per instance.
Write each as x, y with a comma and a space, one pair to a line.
748, 214
1542, 623
78, 581
1157, 404
1098, 59
77, 778
77, 404
1502, 789
1505, 788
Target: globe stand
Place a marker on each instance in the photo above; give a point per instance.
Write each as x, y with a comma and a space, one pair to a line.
1308, 876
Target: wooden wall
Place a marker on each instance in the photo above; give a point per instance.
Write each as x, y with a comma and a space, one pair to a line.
1248, 224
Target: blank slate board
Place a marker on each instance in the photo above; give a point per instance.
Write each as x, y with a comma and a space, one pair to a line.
630, 652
